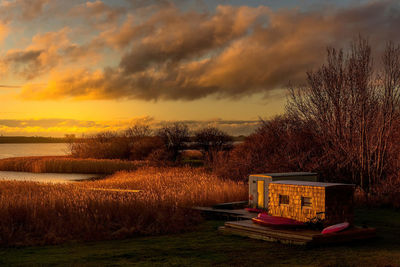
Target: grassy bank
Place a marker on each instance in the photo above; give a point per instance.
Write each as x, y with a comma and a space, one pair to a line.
62, 164
34, 213
205, 247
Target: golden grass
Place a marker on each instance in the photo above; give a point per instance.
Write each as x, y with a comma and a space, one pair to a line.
60, 164
192, 154
34, 213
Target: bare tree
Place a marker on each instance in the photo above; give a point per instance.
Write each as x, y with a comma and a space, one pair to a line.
352, 107
138, 131
211, 140
174, 137
140, 141
104, 145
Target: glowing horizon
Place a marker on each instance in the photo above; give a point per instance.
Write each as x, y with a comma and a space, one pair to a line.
89, 66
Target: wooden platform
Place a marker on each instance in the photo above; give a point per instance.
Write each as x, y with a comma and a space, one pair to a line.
226, 214
297, 236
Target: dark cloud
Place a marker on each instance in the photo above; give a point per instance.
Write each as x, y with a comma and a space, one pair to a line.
23, 56
230, 52
171, 35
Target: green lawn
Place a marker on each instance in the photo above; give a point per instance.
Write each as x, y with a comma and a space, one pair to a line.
207, 247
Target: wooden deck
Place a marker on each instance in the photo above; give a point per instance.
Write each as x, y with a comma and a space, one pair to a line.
294, 236
226, 214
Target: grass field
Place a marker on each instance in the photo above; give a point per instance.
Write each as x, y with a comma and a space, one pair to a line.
37, 213
205, 247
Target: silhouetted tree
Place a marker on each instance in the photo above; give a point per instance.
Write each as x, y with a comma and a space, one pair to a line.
352, 109
138, 131
174, 137
280, 144
105, 145
211, 140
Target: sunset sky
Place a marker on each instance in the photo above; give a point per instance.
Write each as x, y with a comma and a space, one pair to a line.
86, 66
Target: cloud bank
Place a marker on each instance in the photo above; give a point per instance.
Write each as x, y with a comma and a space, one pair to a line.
165, 52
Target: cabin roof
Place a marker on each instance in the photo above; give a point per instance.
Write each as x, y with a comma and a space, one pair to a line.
285, 174
307, 183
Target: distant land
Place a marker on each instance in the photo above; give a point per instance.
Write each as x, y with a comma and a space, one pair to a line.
31, 139
42, 139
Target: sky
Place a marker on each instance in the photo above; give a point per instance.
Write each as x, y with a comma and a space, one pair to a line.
78, 67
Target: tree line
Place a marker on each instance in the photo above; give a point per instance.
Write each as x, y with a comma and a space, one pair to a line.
161, 146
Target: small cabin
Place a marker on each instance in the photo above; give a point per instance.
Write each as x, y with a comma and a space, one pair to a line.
304, 200
258, 185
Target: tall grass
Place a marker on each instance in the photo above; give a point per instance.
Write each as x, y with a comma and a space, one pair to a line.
66, 165
33, 213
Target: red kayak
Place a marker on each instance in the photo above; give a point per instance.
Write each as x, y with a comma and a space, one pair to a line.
273, 221
335, 228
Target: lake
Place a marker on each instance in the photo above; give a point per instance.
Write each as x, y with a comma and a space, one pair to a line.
38, 149
45, 177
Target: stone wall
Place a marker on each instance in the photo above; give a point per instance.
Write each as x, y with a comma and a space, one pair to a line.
335, 203
294, 209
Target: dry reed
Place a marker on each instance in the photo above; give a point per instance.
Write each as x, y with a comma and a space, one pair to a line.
66, 165
34, 213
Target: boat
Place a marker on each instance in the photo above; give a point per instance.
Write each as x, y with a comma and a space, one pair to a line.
277, 222
336, 228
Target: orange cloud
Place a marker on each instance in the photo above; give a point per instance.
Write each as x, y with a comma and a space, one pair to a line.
48, 51
232, 52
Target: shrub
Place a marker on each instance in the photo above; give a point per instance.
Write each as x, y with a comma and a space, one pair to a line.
106, 145
210, 141
278, 145
174, 137
144, 146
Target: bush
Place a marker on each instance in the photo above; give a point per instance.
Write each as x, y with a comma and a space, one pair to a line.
174, 137
143, 147
278, 145
106, 145
211, 141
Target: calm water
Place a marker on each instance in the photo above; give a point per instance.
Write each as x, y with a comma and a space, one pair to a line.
25, 150
44, 177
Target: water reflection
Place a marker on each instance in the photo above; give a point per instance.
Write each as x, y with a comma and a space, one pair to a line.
45, 177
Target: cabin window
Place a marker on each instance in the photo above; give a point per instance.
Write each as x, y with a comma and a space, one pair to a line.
306, 201
283, 199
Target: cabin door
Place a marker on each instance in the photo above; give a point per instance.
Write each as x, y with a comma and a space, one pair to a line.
260, 194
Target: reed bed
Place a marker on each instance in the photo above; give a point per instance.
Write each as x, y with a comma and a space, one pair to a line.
34, 213
62, 164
